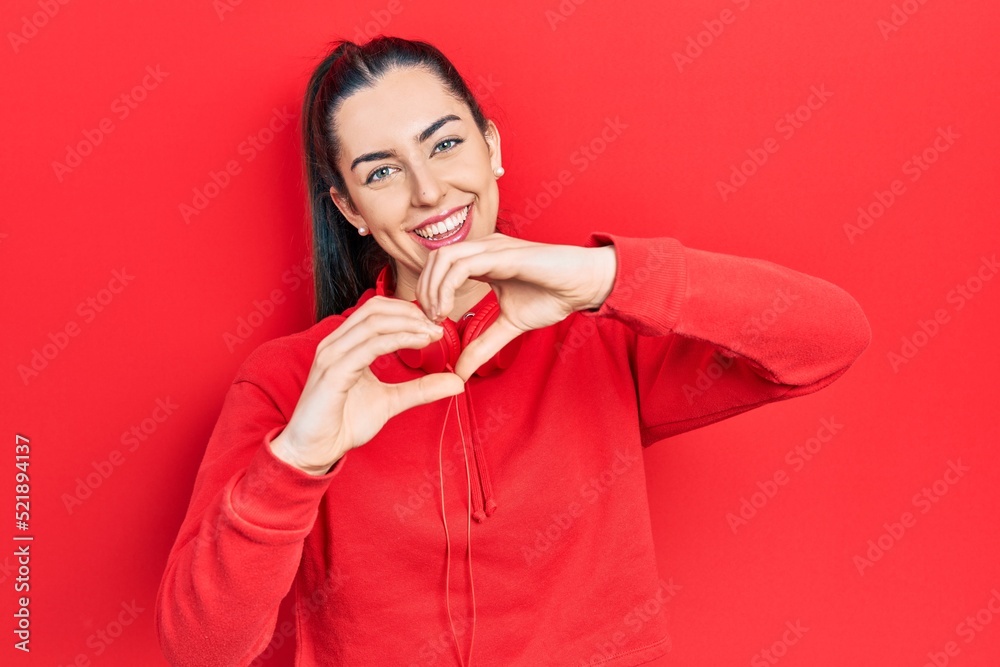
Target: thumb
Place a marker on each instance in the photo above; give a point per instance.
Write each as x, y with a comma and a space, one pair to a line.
484, 346
427, 389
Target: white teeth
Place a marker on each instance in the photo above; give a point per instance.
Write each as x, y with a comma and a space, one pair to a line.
446, 225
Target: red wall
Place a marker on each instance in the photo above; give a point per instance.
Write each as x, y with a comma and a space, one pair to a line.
131, 304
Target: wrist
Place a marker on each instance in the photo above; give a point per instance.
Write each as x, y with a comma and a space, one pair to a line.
283, 451
605, 265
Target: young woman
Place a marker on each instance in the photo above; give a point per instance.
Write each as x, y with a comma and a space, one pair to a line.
456, 372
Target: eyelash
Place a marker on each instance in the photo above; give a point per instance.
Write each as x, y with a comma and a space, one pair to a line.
371, 178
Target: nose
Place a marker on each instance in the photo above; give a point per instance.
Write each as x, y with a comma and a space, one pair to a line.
427, 189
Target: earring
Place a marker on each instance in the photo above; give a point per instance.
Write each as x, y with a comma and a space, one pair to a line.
362, 231
498, 172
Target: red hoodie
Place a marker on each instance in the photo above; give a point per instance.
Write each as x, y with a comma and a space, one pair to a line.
559, 567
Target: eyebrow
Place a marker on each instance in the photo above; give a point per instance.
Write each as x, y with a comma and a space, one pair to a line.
421, 138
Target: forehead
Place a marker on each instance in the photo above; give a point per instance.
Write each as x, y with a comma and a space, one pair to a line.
393, 111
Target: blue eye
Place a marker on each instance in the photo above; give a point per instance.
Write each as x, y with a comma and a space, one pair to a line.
456, 142
371, 177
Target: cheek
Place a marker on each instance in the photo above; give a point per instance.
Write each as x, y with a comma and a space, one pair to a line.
385, 209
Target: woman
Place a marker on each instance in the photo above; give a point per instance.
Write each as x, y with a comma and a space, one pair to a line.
458, 372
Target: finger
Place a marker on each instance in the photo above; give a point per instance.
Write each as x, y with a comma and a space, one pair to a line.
420, 290
486, 266
426, 389
439, 261
371, 311
377, 324
484, 346
353, 362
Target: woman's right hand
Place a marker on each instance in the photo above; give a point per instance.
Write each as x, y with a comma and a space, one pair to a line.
343, 405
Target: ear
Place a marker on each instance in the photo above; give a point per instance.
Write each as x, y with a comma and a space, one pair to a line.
492, 137
346, 207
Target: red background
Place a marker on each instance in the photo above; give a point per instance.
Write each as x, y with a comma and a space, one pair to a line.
551, 75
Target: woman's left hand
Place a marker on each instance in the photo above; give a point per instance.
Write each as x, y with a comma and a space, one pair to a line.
537, 284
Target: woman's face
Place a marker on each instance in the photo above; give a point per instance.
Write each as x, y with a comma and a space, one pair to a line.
410, 152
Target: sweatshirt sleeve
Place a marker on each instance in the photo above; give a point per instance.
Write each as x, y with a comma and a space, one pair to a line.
713, 335
239, 546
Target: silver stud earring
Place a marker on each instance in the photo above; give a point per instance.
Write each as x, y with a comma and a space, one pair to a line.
498, 172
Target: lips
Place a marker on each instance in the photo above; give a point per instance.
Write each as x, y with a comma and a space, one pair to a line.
452, 229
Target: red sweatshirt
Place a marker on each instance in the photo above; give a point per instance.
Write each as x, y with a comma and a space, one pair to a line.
560, 563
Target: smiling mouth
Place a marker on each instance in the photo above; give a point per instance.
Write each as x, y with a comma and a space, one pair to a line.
447, 228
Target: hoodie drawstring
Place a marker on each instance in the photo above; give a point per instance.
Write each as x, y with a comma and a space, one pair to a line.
447, 540
483, 509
